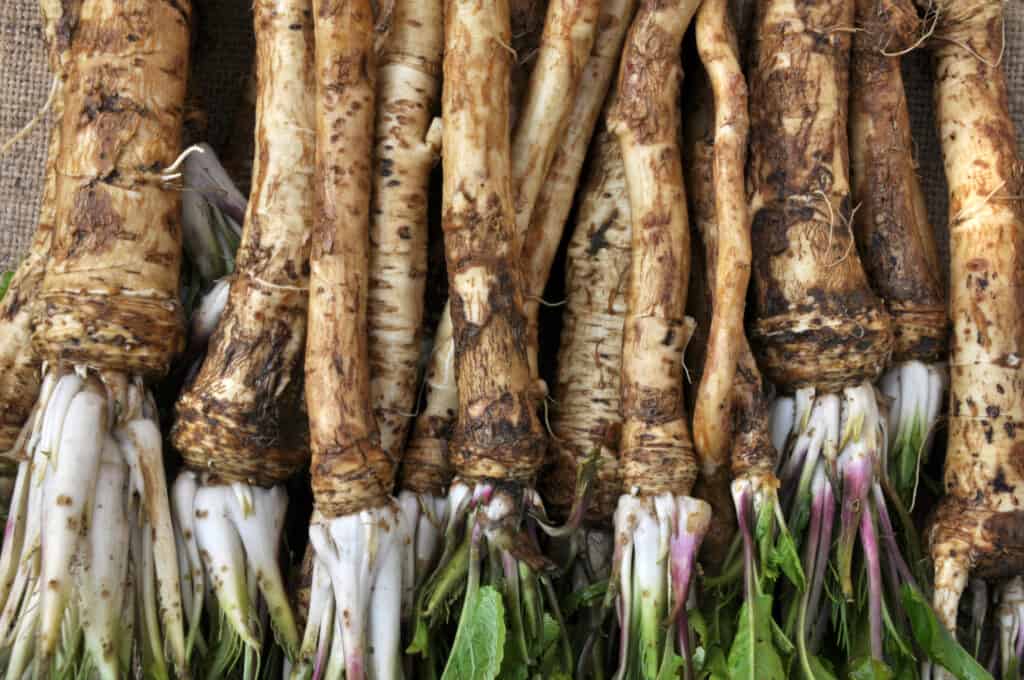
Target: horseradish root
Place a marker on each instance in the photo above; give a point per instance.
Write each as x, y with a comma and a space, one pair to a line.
90, 515
358, 531
976, 530
658, 526
237, 426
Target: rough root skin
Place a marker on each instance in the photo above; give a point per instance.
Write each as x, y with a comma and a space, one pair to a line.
586, 418
894, 237
818, 324
555, 198
237, 419
497, 434
656, 449
351, 472
110, 294
426, 468
407, 146
977, 526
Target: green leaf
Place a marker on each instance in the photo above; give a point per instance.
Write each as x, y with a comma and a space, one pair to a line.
753, 655
820, 669
870, 669
785, 556
5, 283
480, 641
550, 648
936, 641
779, 638
420, 639
584, 598
713, 664
671, 665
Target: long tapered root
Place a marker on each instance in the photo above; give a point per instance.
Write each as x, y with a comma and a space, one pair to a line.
354, 620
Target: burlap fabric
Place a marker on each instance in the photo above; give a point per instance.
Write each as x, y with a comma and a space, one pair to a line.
221, 61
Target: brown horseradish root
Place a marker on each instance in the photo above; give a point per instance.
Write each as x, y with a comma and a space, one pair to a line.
817, 322
427, 470
717, 137
91, 478
357, 531
553, 200
820, 331
735, 413
407, 146
585, 417
497, 444
975, 531
587, 421
548, 120
657, 459
238, 424
894, 237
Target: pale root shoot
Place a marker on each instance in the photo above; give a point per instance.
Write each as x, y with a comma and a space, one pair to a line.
207, 314
426, 515
355, 633
915, 392
1010, 619
90, 518
229, 536
656, 545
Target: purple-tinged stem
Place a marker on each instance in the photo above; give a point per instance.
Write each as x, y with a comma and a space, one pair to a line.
888, 535
743, 504
869, 541
813, 557
825, 498
856, 471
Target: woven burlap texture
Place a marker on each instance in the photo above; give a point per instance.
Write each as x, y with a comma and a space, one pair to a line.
221, 62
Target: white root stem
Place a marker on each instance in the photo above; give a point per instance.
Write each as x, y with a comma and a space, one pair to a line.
316, 642
781, 421
1011, 606
426, 515
90, 518
914, 391
657, 540
363, 556
183, 497
259, 526
103, 573
224, 561
142, 444
70, 489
